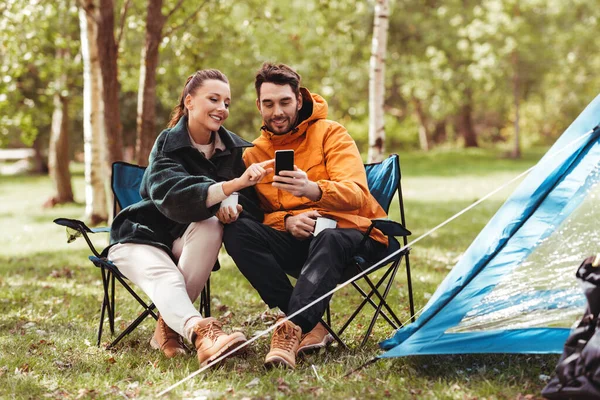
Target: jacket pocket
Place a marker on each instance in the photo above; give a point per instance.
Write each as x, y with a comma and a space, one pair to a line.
314, 166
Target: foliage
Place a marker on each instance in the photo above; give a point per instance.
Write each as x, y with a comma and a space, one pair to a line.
442, 54
50, 298
30, 34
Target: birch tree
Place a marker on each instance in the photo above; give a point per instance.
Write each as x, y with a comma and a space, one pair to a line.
377, 82
93, 121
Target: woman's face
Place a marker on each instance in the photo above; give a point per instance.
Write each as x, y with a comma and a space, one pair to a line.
208, 108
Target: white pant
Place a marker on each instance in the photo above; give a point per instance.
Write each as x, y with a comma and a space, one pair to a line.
173, 288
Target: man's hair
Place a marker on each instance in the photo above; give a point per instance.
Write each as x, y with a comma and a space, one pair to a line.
279, 74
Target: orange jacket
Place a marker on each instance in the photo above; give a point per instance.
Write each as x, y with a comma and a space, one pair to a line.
329, 156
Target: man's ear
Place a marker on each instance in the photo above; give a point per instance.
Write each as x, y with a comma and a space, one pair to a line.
258, 104
299, 101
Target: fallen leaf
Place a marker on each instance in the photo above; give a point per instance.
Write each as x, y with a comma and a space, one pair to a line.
253, 383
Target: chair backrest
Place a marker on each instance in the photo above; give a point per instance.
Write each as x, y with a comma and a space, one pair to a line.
384, 180
125, 183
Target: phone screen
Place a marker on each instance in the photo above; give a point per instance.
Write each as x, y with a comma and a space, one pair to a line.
284, 161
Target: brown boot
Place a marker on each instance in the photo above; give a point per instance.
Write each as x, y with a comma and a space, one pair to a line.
211, 341
316, 339
167, 340
284, 345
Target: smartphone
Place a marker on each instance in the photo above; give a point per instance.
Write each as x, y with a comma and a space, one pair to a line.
284, 161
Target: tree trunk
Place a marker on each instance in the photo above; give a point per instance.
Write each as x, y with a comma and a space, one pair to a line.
58, 151
424, 133
40, 166
440, 135
377, 82
516, 152
93, 121
107, 55
146, 110
466, 121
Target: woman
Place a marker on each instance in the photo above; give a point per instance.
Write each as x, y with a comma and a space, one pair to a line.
168, 243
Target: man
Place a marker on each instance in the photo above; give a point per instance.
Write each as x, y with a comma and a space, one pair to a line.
329, 181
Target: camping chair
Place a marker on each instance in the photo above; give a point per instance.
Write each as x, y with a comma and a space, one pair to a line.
384, 182
125, 185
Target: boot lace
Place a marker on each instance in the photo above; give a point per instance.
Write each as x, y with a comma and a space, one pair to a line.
212, 330
168, 333
283, 338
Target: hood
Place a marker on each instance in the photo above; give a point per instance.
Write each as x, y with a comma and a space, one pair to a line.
314, 108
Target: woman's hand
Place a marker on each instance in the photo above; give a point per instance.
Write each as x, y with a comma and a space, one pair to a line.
251, 176
255, 172
228, 215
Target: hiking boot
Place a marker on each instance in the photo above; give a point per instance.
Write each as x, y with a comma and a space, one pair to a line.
167, 340
316, 339
211, 342
284, 345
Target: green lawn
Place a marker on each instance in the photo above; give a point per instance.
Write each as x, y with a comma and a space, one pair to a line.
50, 298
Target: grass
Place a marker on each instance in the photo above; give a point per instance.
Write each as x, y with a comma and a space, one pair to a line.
50, 297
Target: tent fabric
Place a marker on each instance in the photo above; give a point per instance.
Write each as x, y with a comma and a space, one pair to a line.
536, 215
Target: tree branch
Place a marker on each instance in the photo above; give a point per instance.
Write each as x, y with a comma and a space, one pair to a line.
122, 23
192, 15
177, 6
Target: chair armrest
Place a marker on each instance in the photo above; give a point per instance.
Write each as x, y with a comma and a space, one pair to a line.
76, 224
76, 228
389, 227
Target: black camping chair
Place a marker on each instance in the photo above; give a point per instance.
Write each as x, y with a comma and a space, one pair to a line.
384, 182
125, 185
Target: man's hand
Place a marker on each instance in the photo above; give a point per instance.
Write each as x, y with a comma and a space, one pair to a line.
228, 215
297, 183
301, 226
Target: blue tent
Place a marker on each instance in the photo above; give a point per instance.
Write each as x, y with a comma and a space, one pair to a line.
514, 289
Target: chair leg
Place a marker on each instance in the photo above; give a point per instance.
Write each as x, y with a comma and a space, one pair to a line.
375, 291
204, 307
382, 302
101, 324
367, 298
149, 308
410, 291
112, 303
335, 335
134, 324
207, 300
106, 306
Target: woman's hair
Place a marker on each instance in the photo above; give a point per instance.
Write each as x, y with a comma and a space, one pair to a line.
279, 74
192, 84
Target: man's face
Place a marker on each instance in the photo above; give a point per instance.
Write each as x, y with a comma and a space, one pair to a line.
279, 107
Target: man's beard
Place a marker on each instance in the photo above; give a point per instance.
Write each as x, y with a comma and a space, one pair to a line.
292, 126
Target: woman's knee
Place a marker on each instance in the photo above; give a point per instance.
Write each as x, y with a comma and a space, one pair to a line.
208, 228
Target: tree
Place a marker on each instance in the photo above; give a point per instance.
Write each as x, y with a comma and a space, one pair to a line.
93, 126
377, 82
107, 56
146, 107
58, 155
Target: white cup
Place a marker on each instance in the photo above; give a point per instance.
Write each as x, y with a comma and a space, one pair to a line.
231, 201
324, 223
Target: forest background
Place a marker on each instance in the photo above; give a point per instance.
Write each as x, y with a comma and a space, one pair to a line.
470, 73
